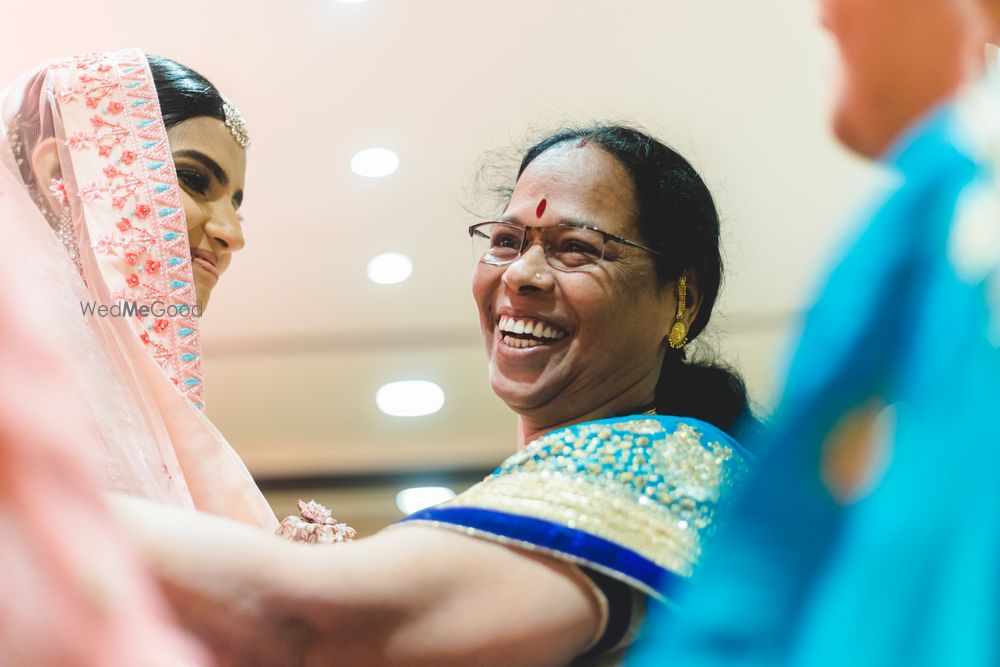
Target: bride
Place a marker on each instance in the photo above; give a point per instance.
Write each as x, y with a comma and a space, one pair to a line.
135, 166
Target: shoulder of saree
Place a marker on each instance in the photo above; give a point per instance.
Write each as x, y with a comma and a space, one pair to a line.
630, 497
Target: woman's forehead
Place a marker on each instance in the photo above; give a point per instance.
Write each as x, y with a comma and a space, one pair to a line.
212, 137
581, 183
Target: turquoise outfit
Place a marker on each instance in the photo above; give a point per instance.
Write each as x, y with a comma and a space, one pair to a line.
907, 574
629, 499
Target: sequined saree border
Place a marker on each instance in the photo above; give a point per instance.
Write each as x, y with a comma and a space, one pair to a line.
524, 533
648, 530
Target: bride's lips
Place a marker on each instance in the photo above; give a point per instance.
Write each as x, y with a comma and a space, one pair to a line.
207, 260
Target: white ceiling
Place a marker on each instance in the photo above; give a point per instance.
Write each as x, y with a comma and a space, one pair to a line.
297, 339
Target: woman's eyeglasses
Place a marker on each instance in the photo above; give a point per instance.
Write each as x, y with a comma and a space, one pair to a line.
568, 246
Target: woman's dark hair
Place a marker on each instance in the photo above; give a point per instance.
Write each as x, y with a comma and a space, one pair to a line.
183, 93
677, 216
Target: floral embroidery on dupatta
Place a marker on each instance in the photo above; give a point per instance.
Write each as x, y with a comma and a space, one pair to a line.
132, 206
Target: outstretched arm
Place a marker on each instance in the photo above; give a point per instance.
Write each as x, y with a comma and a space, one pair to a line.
409, 595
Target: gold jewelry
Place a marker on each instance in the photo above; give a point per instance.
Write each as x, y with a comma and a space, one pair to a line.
538, 276
678, 333
234, 121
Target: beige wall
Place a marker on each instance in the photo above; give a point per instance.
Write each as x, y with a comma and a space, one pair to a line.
297, 340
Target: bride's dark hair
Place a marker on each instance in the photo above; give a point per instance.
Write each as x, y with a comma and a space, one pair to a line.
183, 92
676, 215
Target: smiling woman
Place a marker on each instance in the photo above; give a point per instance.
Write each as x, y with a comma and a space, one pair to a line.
603, 264
625, 227
137, 165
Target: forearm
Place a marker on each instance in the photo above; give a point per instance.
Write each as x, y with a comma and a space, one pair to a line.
408, 596
258, 600
228, 582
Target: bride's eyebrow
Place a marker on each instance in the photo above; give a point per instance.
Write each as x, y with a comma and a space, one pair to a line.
209, 163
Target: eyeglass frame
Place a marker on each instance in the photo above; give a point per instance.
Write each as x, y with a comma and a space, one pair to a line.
608, 236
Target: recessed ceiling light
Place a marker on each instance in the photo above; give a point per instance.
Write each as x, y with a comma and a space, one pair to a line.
374, 162
413, 500
389, 268
410, 398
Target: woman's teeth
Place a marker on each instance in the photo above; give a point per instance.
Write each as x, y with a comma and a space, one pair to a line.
521, 342
529, 327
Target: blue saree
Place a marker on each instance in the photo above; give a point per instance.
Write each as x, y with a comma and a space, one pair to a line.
630, 499
907, 574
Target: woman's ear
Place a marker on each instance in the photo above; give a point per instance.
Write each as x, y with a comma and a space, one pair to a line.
694, 298
45, 166
685, 286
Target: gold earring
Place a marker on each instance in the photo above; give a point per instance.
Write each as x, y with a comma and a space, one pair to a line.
678, 333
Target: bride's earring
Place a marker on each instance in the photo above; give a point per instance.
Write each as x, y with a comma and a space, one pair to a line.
678, 333
61, 220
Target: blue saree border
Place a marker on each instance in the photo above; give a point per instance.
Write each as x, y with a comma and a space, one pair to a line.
584, 548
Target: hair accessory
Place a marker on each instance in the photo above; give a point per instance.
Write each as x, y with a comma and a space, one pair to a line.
678, 333
234, 121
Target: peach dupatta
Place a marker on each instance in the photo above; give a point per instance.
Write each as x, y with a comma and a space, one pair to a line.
74, 594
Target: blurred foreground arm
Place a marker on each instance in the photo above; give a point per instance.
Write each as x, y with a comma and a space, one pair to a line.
409, 595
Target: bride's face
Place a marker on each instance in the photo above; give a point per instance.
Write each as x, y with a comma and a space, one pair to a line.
211, 169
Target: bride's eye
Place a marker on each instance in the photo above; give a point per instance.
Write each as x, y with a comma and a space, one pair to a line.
193, 180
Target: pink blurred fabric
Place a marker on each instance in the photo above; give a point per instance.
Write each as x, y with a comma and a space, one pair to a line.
73, 594
138, 380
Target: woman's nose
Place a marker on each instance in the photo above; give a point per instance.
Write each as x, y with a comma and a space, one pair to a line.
226, 229
523, 273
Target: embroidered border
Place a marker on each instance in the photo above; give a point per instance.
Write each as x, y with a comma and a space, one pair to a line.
134, 214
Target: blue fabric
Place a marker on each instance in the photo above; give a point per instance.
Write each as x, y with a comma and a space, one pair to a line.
709, 432
909, 574
549, 535
625, 458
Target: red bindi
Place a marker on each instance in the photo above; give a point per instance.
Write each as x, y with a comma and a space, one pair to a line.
541, 208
